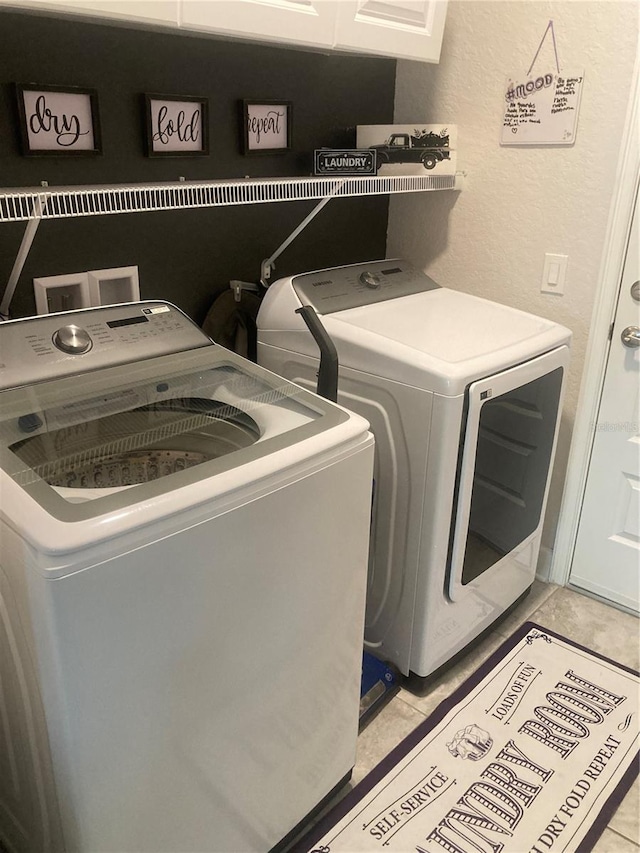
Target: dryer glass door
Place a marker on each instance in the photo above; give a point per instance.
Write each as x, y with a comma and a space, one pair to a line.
509, 441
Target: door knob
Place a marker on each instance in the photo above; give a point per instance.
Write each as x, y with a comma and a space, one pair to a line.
631, 336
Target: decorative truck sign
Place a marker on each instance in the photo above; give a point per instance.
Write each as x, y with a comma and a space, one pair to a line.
426, 148
344, 161
410, 149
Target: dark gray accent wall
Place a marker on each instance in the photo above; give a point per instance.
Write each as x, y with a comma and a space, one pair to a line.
187, 257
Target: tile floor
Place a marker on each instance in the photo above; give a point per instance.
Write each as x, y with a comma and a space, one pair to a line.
585, 620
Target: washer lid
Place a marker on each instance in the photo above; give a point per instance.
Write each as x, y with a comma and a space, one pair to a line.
138, 445
439, 340
118, 438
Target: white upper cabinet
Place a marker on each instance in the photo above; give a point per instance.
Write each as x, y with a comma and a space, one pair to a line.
303, 22
406, 29
163, 12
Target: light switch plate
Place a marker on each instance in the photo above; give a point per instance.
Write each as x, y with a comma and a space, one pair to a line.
554, 274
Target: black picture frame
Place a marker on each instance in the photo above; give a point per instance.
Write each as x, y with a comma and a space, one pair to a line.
169, 130
64, 115
262, 119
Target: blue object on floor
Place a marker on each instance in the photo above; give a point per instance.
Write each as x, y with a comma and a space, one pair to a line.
379, 684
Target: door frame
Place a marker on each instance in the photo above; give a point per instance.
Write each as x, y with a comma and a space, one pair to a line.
593, 375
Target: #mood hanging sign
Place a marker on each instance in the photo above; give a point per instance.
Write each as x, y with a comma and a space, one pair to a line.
542, 109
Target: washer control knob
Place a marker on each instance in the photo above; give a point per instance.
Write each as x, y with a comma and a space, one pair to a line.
72, 339
369, 279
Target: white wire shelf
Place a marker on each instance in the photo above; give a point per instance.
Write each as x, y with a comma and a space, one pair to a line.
22, 204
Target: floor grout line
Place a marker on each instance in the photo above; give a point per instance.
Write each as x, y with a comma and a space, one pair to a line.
413, 707
528, 615
553, 588
622, 835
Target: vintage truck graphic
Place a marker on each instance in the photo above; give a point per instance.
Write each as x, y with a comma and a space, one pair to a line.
423, 147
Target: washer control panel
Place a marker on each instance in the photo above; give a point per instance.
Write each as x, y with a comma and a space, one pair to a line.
55, 345
328, 291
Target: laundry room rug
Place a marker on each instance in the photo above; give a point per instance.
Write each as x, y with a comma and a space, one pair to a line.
533, 753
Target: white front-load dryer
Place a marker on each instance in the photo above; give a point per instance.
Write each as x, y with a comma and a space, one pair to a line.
183, 560
464, 397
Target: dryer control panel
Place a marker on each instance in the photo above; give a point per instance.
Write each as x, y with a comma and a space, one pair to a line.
328, 291
55, 345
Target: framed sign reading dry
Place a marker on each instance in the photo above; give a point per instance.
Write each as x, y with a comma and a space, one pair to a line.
58, 120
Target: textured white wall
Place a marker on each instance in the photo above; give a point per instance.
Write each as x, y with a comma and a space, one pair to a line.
519, 203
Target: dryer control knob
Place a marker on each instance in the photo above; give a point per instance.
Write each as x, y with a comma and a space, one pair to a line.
72, 339
370, 279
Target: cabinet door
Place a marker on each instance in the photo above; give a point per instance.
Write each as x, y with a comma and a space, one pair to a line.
304, 22
406, 29
145, 11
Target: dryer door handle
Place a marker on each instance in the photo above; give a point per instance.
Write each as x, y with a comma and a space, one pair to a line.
328, 372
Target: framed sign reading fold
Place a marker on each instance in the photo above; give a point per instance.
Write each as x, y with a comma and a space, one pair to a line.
176, 125
58, 120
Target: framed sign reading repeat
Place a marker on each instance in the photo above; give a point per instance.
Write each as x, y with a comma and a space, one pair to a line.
58, 120
266, 127
176, 125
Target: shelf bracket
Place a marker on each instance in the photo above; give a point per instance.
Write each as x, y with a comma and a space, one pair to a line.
269, 264
37, 210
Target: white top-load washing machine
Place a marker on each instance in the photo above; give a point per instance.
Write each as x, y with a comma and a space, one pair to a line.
463, 396
183, 559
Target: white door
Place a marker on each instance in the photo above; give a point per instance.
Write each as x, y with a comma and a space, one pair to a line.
606, 559
408, 29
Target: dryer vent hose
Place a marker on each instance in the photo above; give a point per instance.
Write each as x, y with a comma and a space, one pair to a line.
328, 373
